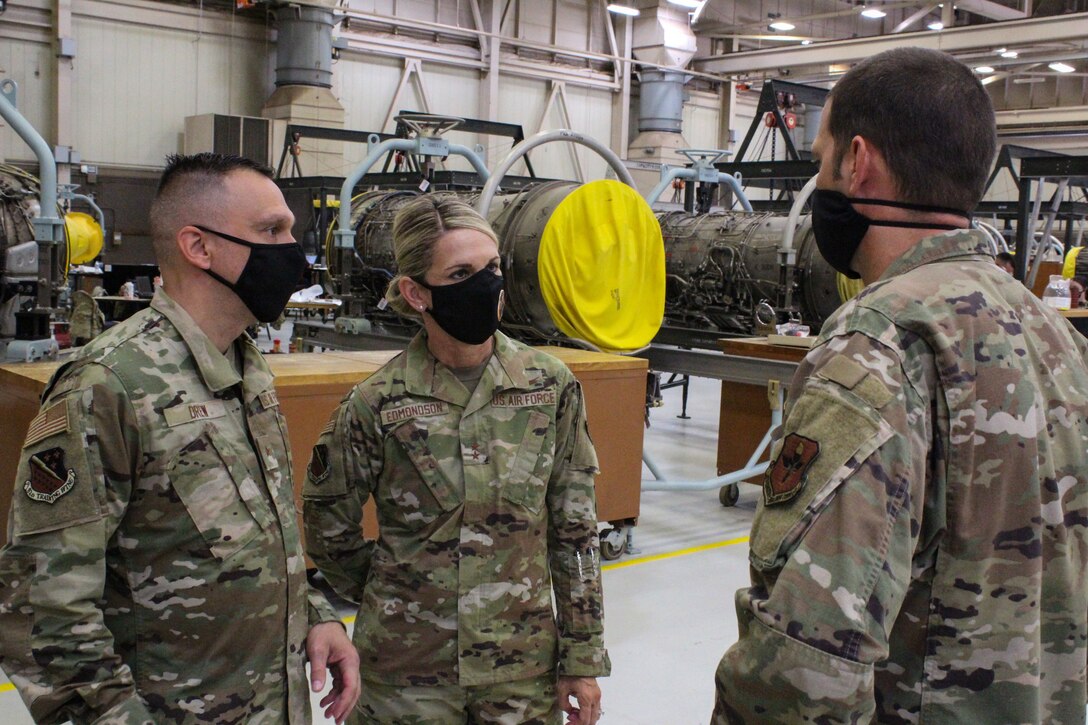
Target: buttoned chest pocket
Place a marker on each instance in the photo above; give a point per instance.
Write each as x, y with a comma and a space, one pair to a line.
528, 462
421, 493
223, 500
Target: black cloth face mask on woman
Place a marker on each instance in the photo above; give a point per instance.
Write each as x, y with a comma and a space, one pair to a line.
839, 228
469, 310
269, 278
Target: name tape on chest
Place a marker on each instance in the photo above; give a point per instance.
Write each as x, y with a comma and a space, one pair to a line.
414, 410
188, 412
524, 400
49, 422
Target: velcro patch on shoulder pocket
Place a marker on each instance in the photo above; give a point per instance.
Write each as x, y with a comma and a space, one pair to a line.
54, 488
854, 377
826, 438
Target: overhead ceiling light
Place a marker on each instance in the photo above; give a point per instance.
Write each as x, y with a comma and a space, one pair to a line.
984, 69
782, 25
806, 42
1029, 79
873, 13
936, 25
1000, 50
1061, 67
692, 4
622, 10
1009, 54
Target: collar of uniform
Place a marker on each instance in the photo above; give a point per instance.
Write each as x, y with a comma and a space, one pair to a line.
424, 376
946, 245
256, 375
217, 372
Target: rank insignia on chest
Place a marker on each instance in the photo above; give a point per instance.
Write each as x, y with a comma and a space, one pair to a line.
269, 399
49, 478
786, 476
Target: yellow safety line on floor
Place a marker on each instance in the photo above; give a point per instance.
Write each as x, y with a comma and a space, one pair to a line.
673, 554
645, 559
7, 686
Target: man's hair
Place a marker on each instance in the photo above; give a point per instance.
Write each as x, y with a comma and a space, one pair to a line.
1006, 257
930, 118
187, 194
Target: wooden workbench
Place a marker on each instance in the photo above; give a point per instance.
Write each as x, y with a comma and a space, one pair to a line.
745, 412
311, 385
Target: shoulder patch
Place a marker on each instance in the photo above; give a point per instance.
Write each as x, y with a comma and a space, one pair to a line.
786, 476
49, 422
329, 427
49, 477
318, 469
414, 410
524, 400
844, 371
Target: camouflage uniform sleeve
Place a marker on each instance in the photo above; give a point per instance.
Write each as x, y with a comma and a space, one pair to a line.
344, 465
833, 541
573, 547
74, 482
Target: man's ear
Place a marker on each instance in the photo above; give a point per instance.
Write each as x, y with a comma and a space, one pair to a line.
416, 296
868, 173
191, 247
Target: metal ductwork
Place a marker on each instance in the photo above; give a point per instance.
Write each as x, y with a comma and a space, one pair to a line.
661, 101
304, 46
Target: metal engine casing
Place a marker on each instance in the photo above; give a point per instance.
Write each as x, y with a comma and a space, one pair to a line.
720, 266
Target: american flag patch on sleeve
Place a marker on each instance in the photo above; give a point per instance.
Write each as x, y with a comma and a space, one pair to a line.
49, 422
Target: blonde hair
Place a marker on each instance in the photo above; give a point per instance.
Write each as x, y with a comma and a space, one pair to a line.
417, 227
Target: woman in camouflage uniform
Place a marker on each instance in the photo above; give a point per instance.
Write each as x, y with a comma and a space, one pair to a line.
476, 452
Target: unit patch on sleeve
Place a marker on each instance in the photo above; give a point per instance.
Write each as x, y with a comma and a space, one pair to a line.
319, 464
786, 476
51, 421
49, 478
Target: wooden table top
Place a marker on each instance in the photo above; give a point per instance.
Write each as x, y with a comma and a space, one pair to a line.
759, 347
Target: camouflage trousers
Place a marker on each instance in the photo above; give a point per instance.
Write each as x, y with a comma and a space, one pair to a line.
522, 702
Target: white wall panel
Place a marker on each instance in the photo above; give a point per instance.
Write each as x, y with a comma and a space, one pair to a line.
31, 66
134, 86
522, 100
701, 114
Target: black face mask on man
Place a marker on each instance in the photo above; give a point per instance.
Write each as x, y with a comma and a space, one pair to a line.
839, 228
468, 310
269, 278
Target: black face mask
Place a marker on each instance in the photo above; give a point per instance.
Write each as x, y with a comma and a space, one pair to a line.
468, 310
269, 278
839, 228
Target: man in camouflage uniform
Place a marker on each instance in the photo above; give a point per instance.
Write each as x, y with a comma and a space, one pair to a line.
485, 501
153, 571
918, 554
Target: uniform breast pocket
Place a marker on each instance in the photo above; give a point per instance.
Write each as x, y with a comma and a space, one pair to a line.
525, 480
218, 492
419, 491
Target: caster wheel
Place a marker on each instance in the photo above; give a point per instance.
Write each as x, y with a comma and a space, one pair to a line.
610, 549
729, 495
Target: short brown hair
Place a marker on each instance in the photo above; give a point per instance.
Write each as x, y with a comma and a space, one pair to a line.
928, 115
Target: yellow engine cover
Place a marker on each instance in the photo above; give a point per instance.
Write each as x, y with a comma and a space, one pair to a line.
84, 237
602, 267
1069, 269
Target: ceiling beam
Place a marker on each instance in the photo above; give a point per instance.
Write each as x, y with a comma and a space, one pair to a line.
990, 9
1051, 29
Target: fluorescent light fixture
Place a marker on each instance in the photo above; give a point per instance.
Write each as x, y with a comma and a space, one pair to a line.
806, 42
1029, 79
1061, 67
984, 69
622, 10
1009, 54
873, 13
691, 4
936, 25
1000, 50
782, 25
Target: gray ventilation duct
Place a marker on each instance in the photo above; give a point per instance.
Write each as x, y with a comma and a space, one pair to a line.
661, 101
304, 46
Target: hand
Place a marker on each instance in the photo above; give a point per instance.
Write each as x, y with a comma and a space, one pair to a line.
588, 696
328, 646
